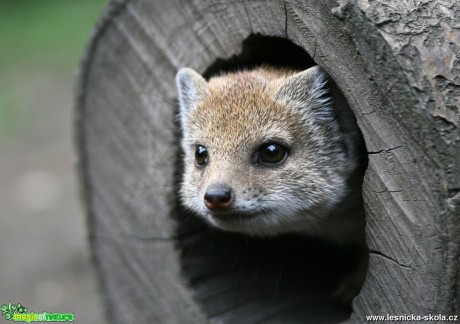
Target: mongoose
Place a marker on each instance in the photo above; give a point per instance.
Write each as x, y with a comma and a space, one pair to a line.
271, 151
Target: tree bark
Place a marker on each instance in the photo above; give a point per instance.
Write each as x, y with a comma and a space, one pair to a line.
398, 66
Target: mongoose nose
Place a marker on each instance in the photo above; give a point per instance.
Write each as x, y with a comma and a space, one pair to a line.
218, 197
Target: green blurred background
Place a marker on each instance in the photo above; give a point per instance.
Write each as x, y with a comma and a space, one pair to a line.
39, 36
45, 262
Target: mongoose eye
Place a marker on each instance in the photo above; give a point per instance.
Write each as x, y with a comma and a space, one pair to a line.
272, 153
201, 155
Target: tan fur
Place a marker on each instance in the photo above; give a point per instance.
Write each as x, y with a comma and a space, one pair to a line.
315, 190
232, 115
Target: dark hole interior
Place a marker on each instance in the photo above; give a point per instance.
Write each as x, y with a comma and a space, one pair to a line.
242, 279
258, 50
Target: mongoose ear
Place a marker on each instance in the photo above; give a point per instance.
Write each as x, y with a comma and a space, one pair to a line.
302, 85
309, 89
192, 88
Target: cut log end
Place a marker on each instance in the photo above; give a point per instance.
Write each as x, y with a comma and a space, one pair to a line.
156, 263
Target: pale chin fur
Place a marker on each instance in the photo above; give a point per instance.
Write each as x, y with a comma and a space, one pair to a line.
264, 224
270, 220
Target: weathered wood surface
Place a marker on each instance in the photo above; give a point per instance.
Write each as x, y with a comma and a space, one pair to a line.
398, 65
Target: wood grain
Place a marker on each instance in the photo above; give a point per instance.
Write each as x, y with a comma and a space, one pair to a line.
398, 67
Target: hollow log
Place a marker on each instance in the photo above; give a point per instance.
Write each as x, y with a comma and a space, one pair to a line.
397, 64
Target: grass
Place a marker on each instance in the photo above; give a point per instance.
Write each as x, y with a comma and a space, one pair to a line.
39, 35
45, 32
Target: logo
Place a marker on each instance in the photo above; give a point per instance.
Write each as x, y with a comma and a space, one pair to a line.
19, 313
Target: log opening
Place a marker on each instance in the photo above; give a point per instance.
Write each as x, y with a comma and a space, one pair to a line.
126, 143
288, 278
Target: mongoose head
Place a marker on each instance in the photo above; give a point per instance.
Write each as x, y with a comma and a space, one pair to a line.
263, 150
